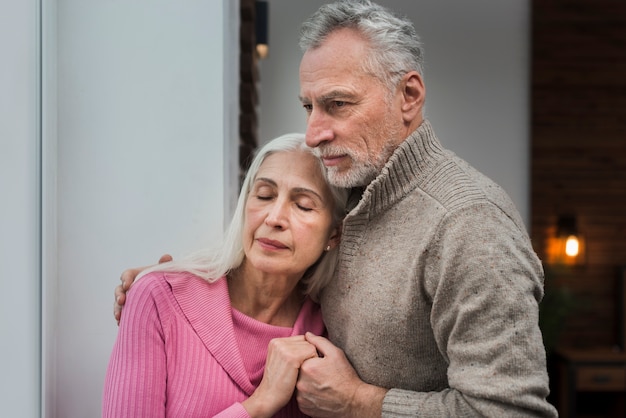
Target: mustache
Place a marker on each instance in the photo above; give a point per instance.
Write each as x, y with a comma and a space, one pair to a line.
330, 151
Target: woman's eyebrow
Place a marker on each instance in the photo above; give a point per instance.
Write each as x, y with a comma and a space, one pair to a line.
265, 180
295, 189
306, 190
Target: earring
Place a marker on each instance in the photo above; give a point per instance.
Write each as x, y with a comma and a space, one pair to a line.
328, 248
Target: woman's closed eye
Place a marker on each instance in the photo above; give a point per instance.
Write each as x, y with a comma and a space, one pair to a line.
304, 202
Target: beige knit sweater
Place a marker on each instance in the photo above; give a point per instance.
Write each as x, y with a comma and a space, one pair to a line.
437, 290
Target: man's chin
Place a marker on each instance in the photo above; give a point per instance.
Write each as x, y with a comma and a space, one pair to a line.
346, 178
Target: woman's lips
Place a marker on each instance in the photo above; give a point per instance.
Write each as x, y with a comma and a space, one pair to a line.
271, 244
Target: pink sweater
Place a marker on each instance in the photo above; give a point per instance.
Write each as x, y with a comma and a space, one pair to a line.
178, 354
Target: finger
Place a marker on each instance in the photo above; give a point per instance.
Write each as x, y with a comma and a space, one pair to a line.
119, 292
290, 351
128, 277
120, 299
292, 344
323, 345
292, 338
165, 258
117, 312
307, 350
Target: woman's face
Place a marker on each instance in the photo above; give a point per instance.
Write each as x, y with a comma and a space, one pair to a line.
288, 215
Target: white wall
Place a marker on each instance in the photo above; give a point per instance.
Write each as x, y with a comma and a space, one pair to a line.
121, 146
19, 209
144, 92
477, 80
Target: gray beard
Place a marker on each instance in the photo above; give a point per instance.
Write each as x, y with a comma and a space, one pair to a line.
362, 174
355, 177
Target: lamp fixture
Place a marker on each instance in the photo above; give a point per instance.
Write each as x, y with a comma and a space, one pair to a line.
566, 246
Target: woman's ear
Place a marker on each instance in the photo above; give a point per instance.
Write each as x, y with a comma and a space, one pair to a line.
413, 95
335, 237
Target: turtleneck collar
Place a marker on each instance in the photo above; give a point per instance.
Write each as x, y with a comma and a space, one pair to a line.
400, 175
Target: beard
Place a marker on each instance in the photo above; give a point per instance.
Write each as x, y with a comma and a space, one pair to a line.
363, 169
359, 173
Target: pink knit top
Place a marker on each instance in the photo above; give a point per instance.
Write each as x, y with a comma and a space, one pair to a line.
182, 351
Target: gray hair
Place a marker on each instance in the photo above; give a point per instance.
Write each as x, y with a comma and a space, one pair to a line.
395, 47
212, 264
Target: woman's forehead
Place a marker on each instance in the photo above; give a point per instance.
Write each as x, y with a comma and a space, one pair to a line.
296, 166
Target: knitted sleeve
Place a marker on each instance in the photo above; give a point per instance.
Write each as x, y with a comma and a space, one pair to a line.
136, 376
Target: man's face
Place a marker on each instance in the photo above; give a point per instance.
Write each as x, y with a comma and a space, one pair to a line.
353, 120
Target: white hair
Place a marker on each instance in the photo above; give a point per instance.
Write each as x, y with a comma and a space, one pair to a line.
395, 47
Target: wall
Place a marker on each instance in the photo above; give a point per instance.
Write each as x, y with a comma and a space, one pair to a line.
20, 151
118, 123
477, 78
144, 126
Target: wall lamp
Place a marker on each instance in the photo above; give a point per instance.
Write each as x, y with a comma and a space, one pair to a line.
567, 245
261, 26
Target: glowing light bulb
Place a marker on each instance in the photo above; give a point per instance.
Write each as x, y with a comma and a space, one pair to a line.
263, 50
572, 246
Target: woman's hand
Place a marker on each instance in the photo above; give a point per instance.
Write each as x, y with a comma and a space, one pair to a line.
284, 358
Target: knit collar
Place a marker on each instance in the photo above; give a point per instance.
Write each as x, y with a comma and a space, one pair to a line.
402, 172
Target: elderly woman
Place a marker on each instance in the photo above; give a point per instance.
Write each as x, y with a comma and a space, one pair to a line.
221, 332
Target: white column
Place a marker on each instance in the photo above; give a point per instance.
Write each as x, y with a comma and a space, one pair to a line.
20, 152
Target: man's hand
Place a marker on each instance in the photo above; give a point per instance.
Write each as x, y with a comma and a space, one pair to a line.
328, 386
127, 278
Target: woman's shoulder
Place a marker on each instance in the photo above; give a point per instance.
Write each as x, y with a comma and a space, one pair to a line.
175, 281
187, 280
175, 290
187, 287
152, 285
156, 282
171, 277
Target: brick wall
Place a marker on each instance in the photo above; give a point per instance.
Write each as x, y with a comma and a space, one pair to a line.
579, 151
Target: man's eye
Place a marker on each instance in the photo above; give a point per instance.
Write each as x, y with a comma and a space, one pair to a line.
339, 103
307, 107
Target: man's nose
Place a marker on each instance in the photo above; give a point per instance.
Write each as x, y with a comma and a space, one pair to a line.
318, 129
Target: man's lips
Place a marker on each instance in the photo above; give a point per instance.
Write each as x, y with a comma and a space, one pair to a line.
271, 244
332, 160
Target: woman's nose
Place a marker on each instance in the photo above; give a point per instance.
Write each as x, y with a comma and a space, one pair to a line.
277, 215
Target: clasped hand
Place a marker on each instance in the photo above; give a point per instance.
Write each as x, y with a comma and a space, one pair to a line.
327, 384
325, 381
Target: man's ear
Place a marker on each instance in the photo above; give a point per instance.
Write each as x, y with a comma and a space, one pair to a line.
414, 96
